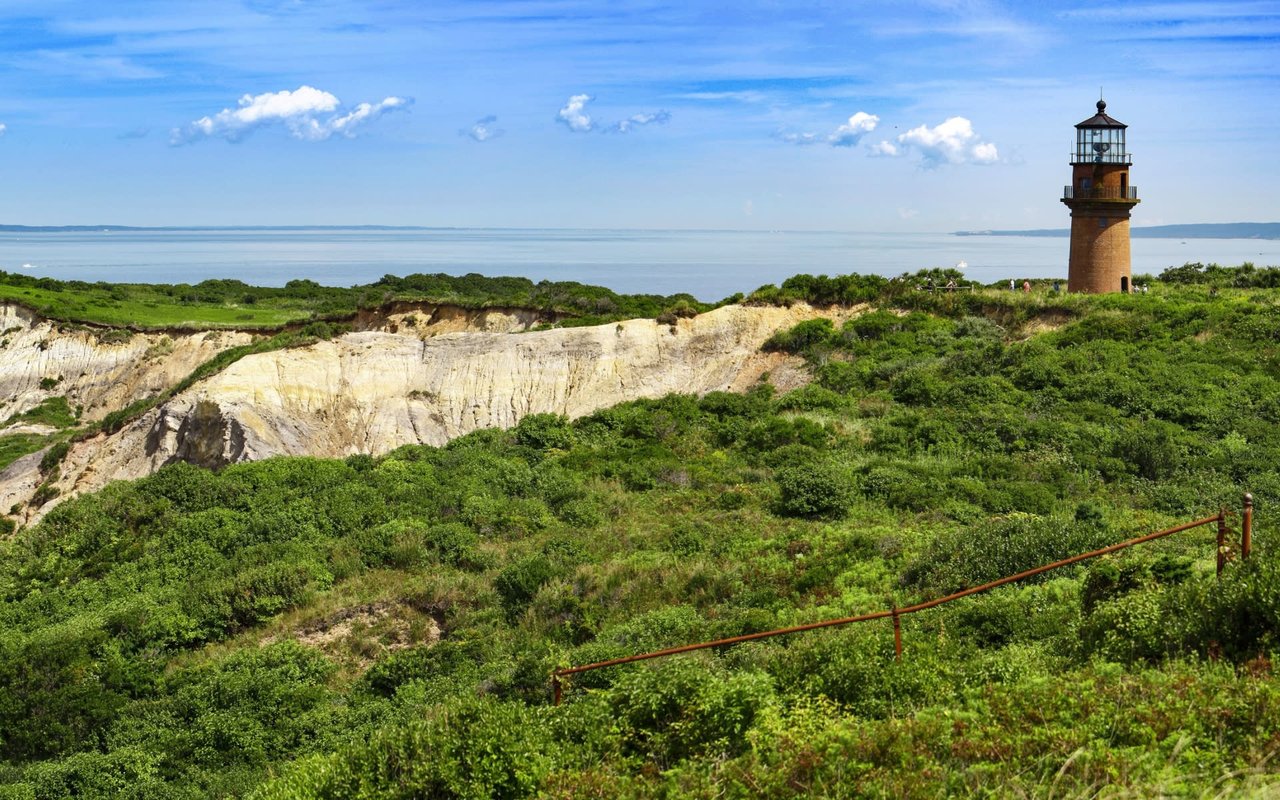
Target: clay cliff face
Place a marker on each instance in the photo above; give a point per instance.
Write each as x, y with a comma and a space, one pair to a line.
374, 390
100, 374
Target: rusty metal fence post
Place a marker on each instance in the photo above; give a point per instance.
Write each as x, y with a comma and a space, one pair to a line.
1246, 526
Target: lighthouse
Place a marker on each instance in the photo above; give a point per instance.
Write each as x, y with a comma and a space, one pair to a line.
1101, 199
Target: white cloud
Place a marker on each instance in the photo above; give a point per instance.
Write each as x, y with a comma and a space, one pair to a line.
984, 153
361, 114
846, 135
850, 133
884, 148
307, 113
648, 118
482, 130
573, 114
3, 128
951, 142
802, 139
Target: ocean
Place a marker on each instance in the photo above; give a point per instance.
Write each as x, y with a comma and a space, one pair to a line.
710, 265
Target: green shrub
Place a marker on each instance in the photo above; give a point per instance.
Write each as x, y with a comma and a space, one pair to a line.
801, 337
454, 544
815, 488
959, 559
465, 748
53, 456
447, 659
519, 581
857, 668
545, 432
684, 707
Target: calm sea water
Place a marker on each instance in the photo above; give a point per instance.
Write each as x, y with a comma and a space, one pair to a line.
708, 264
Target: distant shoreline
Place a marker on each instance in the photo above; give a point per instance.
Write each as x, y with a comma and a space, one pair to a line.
173, 228
1227, 230
1215, 230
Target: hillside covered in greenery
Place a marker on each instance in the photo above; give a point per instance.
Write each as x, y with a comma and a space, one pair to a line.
386, 627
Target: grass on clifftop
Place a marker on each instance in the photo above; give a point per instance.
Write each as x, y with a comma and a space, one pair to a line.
234, 304
141, 306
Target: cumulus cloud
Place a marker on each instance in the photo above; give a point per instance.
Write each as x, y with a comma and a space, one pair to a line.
846, 135
574, 114
636, 120
575, 117
307, 113
850, 133
951, 142
482, 130
3, 128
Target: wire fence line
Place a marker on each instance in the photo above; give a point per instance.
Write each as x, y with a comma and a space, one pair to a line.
1224, 554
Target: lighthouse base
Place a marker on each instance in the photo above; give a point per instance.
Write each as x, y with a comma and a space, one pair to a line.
1100, 259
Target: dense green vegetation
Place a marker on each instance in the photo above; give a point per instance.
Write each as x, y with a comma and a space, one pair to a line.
234, 304
385, 627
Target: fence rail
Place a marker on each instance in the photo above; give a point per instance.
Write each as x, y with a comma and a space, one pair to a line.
895, 613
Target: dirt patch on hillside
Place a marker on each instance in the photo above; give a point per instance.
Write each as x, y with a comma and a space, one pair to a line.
360, 635
1044, 323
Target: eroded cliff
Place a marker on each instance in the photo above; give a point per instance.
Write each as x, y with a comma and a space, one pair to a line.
96, 370
395, 383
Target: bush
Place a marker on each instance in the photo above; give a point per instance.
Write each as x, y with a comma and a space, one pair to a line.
545, 432
518, 582
801, 337
684, 707
857, 668
1236, 616
960, 559
465, 748
53, 456
814, 489
454, 544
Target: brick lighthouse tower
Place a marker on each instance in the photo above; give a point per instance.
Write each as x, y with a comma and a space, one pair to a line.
1100, 199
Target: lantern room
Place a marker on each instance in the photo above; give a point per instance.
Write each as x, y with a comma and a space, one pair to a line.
1100, 140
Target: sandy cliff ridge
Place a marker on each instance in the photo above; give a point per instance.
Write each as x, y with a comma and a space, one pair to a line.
403, 381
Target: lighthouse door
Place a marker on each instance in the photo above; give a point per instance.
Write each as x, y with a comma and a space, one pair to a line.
1124, 283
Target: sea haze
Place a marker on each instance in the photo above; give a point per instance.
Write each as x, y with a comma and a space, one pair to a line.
710, 265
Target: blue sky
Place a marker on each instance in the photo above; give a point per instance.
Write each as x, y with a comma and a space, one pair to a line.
757, 114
